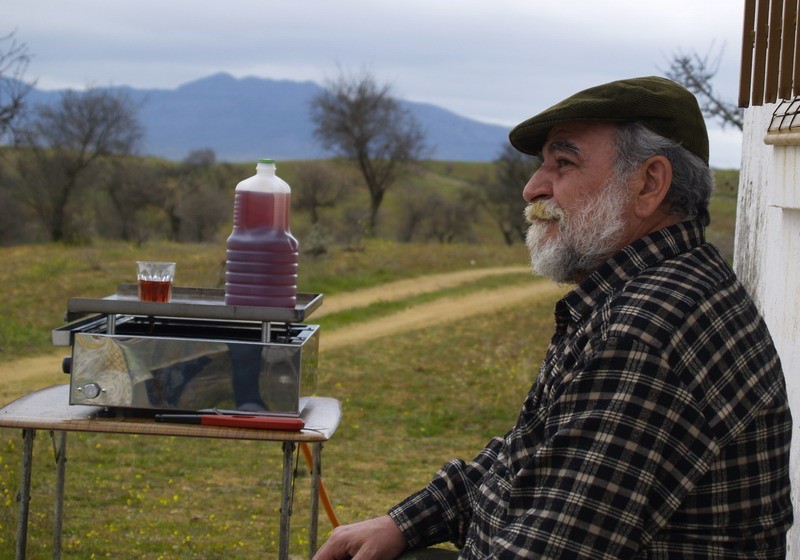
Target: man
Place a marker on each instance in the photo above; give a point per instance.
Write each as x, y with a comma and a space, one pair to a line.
658, 426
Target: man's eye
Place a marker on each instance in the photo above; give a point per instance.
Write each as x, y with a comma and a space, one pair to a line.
561, 162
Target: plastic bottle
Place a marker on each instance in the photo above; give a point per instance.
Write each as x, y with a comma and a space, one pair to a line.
261, 265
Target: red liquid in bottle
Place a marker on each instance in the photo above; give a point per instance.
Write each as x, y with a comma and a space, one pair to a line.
262, 254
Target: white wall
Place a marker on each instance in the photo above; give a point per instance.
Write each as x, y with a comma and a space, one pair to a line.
767, 258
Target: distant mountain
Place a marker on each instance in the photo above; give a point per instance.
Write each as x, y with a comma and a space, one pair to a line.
244, 119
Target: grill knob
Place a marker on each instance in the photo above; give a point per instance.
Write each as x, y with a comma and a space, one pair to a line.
66, 364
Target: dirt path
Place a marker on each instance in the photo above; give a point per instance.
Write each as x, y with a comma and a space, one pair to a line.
440, 311
402, 289
20, 376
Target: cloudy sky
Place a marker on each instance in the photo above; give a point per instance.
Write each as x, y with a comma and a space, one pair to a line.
497, 61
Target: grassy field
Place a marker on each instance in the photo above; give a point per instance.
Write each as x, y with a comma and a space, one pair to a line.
410, 402
139, 497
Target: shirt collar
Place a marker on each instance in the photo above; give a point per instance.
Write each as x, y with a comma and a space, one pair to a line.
630, 261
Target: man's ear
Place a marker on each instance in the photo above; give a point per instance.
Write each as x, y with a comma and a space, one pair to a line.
654, 180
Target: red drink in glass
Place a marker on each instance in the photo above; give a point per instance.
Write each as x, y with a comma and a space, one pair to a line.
150, 290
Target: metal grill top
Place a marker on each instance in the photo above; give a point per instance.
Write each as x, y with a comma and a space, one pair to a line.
199, 303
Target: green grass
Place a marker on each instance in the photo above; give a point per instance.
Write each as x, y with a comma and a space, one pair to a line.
409, 403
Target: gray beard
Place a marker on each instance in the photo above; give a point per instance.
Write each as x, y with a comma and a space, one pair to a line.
585, 239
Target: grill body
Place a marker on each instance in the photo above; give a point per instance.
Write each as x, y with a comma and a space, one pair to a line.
170, 357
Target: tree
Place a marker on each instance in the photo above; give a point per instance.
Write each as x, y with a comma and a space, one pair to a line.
426, 214
696, 74
316, 186
360, 120
13, 62
62, 144
501, 195
132, 187
15, 219
415, 208
202, 159
451, 220
198, 196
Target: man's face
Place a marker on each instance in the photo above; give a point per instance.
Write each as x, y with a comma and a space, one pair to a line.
578, 210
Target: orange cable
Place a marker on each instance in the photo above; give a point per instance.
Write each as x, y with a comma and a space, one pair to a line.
323, 494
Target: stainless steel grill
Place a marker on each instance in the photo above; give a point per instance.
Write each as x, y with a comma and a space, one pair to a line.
192, 354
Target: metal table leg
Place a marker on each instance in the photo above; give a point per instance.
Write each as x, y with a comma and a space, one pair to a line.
316, 473
286, 498
60, 450
24, 494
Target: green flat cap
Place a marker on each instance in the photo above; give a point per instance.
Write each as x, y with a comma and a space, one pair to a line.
663, 106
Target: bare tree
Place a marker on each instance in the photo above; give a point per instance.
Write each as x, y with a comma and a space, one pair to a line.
14, 61
198, 197
16, 225
451, 220
203, 214
64, 141
203, 158
426, 214
501, 195
359, 119
133, 186
183, 183
696, 73
316, 186
416, 207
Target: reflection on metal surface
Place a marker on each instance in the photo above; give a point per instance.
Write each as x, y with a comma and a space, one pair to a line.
178, 365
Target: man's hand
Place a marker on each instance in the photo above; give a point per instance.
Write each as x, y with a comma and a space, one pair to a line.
373, 539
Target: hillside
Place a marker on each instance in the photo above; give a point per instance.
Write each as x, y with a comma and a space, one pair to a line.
244, 119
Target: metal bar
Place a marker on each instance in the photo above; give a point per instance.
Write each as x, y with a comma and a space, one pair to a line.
111, 323
24, 494
266, 331
286, 499
748, 42
316, 475
61, 468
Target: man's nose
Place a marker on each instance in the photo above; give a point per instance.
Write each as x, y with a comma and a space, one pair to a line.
538, 185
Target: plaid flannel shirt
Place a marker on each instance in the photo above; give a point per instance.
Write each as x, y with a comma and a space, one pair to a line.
658, 426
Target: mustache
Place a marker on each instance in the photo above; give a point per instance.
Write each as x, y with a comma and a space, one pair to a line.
543, 210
